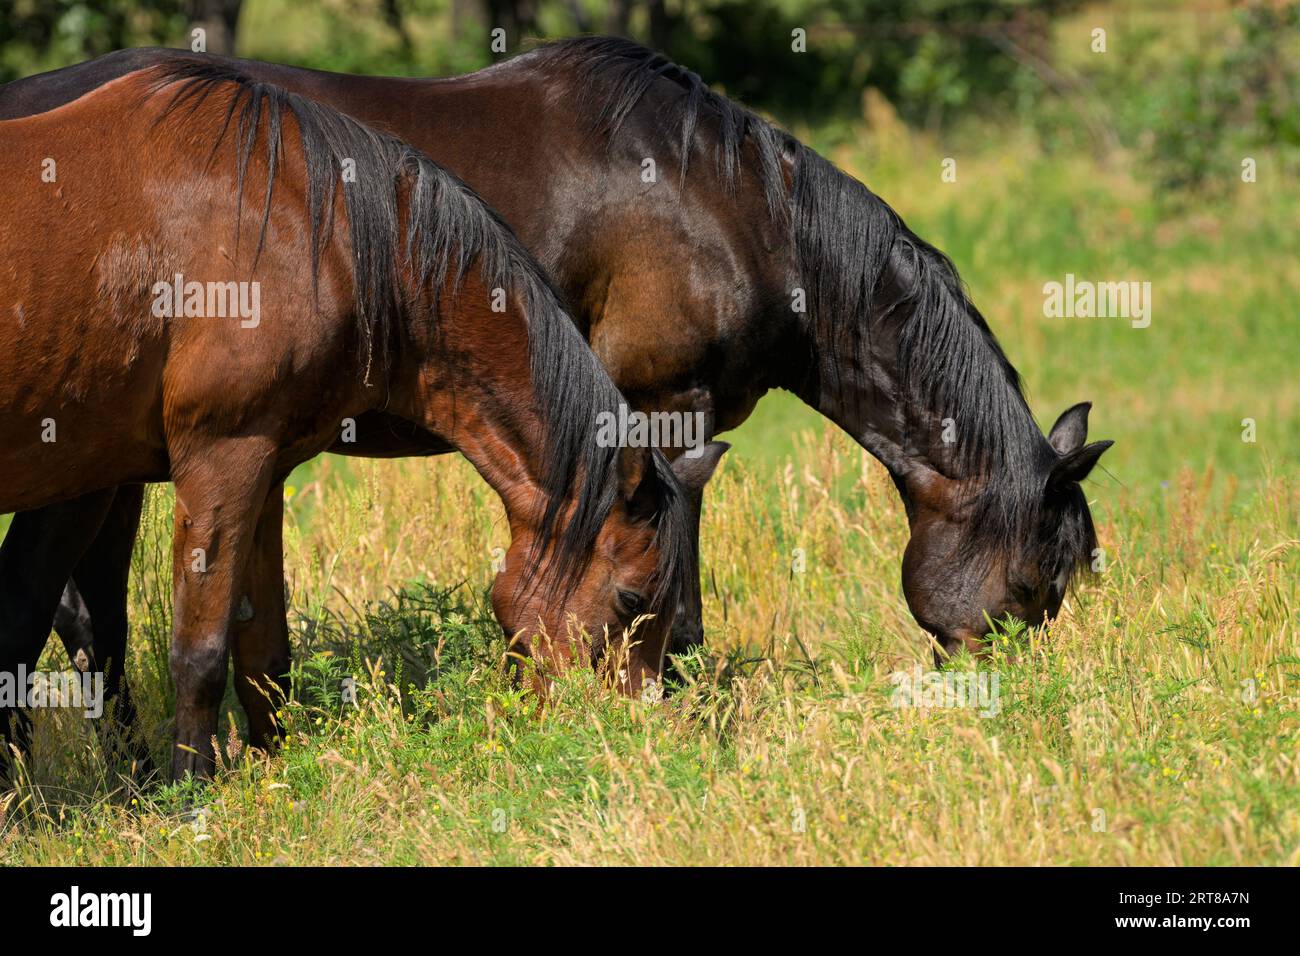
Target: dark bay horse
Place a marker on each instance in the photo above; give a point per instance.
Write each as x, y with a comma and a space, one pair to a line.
709, 257
374, 278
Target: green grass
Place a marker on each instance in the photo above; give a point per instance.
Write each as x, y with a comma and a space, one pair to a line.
1157, 724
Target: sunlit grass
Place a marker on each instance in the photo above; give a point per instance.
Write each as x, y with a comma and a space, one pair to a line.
1156, 724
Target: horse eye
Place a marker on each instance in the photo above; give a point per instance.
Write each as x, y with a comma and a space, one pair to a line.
630, 602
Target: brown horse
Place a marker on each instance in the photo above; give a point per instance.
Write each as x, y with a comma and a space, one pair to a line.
160, 333
709, 257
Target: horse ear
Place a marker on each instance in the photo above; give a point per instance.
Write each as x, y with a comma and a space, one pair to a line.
1075, 466
694, 473
1071, 429
638, 485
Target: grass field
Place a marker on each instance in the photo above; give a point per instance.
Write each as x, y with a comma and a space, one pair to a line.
1155, 724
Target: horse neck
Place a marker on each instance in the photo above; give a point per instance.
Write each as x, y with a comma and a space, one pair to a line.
866, 400
466, 378
962, 398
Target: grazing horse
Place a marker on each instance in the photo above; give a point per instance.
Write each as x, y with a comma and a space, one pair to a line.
158, 332
709, 257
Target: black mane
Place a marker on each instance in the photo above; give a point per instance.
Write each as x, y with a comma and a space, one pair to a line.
613, 74
847, 241
449, 228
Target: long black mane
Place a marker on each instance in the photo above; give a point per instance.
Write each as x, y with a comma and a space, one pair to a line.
846, 241
449, 228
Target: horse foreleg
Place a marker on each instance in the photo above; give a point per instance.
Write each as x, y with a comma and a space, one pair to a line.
220, 492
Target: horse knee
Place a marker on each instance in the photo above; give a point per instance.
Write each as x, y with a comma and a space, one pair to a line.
198, 669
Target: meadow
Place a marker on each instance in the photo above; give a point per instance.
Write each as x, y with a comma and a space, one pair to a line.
1155, 723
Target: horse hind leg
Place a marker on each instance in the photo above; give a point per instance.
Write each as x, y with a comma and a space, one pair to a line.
38, 554
221, 489
92, 622
72, 624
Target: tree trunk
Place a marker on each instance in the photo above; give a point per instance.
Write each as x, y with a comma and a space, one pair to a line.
219, 20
